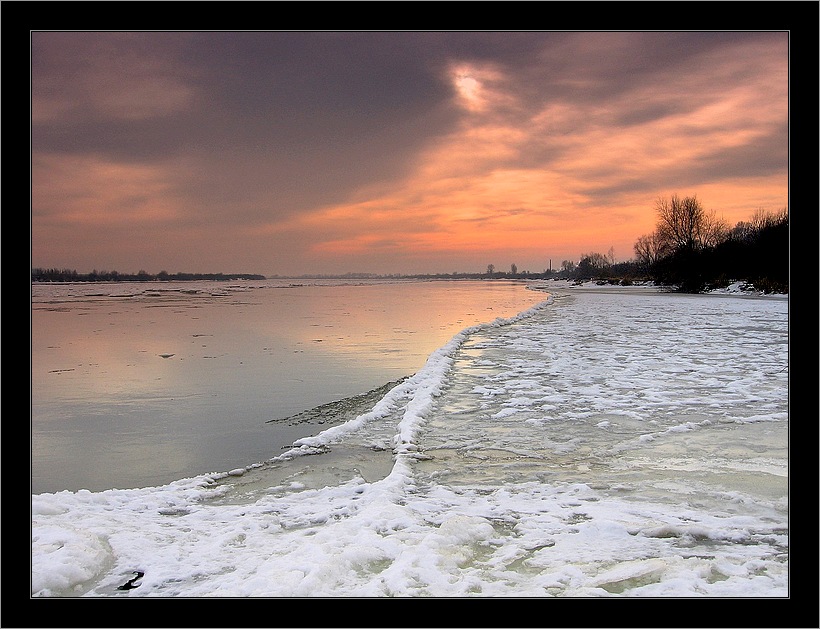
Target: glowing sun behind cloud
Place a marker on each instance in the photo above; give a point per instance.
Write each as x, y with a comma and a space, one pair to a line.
533, 180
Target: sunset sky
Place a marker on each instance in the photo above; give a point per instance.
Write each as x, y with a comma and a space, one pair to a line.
392, 152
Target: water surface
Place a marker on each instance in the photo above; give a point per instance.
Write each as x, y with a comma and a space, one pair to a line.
139, 384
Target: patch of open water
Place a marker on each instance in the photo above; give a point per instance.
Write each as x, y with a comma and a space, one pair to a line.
137, 384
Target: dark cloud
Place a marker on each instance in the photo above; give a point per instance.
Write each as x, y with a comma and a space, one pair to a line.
300, 93
759, 157
268, 107
762, 156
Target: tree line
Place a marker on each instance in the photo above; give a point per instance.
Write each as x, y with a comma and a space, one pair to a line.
68, 275
692, 251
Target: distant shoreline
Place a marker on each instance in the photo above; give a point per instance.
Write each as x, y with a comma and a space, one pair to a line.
734, 288
729, 287
54, 275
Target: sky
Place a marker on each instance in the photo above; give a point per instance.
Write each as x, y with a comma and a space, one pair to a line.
288, 153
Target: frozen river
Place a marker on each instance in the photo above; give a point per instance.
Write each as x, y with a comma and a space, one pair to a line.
618, 442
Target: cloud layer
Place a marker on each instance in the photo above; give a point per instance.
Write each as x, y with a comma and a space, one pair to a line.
283, 152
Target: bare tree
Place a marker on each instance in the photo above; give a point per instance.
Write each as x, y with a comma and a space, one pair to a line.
650, 248
513, 269
748, 231
717, 230
763, 219
490, 269
683, 224
592, 265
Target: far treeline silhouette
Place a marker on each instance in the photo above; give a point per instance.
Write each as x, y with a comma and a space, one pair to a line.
67, 275
689, 251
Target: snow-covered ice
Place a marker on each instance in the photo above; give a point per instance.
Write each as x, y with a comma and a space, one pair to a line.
614, 441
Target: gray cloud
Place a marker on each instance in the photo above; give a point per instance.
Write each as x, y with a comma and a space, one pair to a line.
311, 115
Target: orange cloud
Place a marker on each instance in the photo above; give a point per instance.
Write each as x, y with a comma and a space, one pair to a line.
90, 191
561, 176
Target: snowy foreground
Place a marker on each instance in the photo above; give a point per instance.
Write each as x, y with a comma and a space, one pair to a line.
608, 442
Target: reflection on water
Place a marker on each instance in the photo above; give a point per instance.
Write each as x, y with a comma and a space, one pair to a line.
136, 385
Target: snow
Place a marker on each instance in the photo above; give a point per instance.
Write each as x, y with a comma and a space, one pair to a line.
610, 441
